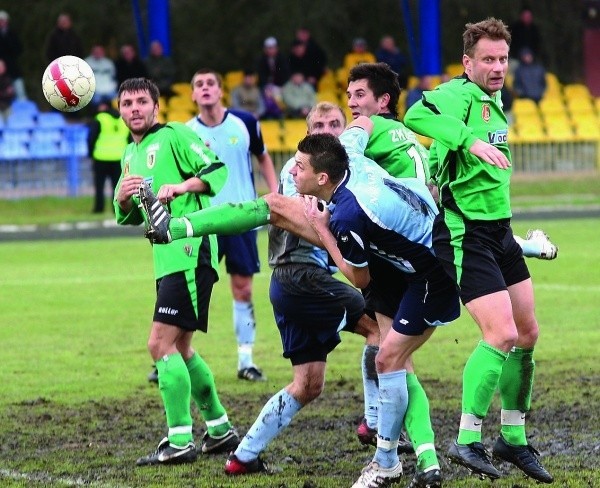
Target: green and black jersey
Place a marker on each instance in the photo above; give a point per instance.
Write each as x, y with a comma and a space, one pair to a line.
396, 149
455, 115
171, 154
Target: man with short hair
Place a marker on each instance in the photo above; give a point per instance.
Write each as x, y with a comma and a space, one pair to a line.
474, 241
185, 173
234, 135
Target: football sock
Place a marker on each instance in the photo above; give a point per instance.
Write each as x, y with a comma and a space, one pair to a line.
531, 249
516, 384
245, 332
224, 219
370, 384
418, 424
273, 418
480, 380
393, 400
204, 393
174, 386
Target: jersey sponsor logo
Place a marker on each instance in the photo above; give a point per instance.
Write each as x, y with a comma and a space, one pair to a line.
168, 310
498, 137
486, 112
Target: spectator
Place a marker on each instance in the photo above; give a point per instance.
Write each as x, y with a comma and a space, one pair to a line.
10, 50
298, 96
129, 64
389, 53
63, 40
105, 73
525, 34
359, 54
273, 67
315, 59
415, 94
7, 90
107, 138
247, 96
161, 68
273, 103
530, 77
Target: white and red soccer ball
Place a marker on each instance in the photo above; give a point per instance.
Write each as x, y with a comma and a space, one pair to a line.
68, 83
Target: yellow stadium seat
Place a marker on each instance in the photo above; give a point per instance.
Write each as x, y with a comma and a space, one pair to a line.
180, 102
597, 104
179, 115
559, 129
523, 106
580, 105
328, 96
552, 105
293, 131
576, 90
455, 69
553, 86
587, 127
232, 79
352, 59
182, 88
327, 82
272, 134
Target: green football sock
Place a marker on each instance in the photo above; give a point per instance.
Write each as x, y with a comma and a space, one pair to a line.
480, 380
204, 393
174, 386
418, 423
224, 219
516, 384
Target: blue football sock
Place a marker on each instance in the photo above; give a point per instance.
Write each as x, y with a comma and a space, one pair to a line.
273, 418
370, 384
245, 332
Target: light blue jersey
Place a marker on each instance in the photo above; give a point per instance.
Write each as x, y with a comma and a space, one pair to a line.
375, 213
234, 140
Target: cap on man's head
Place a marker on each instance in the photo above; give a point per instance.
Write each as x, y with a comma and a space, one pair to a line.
270, 42
359, 41
3, 15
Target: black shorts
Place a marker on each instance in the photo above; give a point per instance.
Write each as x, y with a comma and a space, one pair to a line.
311, 308
182, 298
481, 257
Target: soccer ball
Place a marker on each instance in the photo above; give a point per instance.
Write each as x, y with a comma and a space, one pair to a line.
68, 83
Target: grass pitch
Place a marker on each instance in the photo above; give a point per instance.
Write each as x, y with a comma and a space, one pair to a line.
76, 409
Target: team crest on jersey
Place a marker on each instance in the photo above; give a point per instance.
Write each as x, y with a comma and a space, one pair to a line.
233, 140
485, 112
151, 155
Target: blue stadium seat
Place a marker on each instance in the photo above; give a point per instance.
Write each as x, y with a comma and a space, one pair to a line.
53, 120
25, 107
11, 150
20, 120
17, 135
44, 150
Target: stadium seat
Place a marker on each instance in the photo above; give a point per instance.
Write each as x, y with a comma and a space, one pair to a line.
293, 131
553, 86
328, 96
24, 106
16, 135
454, 69
181, 103
182, 88
580, 105
576, 90
232, 79
21, 120
51, 120
272, 134
524, 106
44, 150
179, 115
559, 129
552, 105
587, 127
11, 150
327, 82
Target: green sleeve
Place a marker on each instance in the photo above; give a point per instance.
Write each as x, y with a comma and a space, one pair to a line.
207, 167
440, 115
